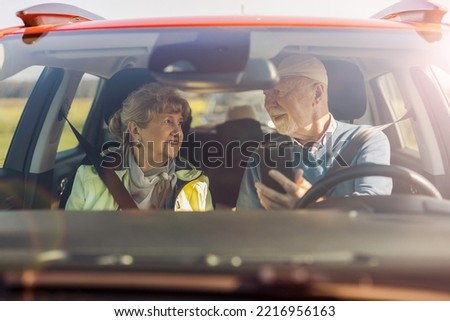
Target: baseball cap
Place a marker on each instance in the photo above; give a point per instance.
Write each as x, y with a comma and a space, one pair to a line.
303, 65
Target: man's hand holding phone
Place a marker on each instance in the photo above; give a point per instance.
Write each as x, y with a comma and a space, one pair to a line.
293, 190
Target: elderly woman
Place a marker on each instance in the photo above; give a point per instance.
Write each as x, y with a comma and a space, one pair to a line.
149, 126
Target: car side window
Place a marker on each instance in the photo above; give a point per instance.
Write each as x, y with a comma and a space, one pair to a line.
396, 104
79, 111
444, 80
14, 93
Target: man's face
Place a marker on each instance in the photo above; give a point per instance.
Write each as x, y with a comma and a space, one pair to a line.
289, 104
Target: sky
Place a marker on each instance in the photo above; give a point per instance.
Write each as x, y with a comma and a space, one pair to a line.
120, 9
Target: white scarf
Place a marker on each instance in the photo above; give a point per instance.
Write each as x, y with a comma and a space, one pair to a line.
153, 188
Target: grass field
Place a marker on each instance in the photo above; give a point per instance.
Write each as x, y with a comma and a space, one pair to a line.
11, 109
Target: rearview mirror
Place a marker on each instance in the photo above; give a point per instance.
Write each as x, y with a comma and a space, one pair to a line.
210, 60
258, 74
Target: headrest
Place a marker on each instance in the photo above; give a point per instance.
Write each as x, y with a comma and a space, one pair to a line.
120, 85
347, 98
242, 111
233, 130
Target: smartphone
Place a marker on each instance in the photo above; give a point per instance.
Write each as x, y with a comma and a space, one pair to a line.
277, 156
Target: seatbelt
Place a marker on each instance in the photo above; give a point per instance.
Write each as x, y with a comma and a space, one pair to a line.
108, 175
349, 152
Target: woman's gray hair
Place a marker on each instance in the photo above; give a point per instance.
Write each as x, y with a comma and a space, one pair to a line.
142, 105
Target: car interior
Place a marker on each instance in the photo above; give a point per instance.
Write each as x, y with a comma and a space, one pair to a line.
363, 89
347, 100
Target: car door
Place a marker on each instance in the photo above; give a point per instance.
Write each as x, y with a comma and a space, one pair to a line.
42, 154
85, 115
432, 85
35, 90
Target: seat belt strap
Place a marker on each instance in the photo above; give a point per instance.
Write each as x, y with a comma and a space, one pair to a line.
384, 126
108, 175
349, 152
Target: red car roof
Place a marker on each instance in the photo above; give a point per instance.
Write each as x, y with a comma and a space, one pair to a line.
221, 21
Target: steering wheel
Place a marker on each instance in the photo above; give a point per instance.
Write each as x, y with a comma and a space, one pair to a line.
325, 184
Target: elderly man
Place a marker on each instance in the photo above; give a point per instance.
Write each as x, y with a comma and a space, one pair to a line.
298, 106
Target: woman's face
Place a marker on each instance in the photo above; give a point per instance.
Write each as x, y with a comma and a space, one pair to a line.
161, 140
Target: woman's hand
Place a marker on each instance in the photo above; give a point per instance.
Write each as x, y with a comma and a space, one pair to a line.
295, 190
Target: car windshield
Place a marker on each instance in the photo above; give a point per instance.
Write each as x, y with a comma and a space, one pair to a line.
384, 210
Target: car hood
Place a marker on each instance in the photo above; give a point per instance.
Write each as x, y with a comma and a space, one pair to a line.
286, 247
